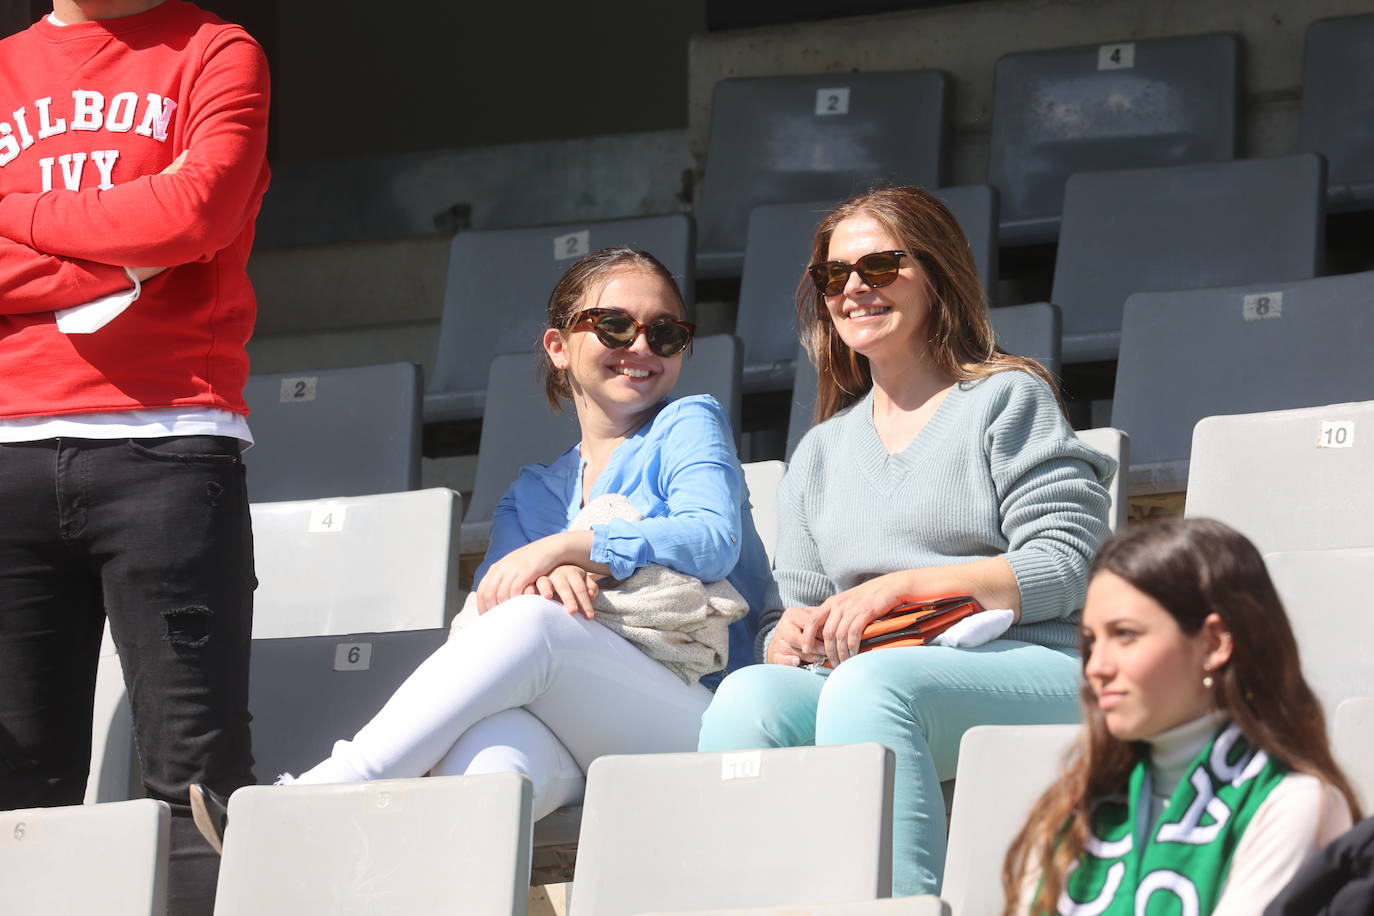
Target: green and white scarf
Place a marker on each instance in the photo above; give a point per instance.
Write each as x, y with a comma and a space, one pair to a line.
1177, 866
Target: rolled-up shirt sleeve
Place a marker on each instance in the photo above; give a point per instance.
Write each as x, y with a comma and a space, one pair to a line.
696, 529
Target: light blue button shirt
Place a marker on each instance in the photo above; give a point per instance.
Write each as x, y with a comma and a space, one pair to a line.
681, 471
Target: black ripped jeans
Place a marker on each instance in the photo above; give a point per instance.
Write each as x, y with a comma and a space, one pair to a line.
155, 534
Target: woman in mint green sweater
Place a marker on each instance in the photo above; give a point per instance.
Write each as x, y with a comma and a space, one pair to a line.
939, 466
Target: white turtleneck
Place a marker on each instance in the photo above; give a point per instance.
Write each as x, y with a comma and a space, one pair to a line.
1170, 754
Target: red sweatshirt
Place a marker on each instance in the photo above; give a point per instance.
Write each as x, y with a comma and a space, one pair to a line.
90, 114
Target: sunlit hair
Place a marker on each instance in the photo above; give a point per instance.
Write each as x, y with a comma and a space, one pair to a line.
961, 341
569, 298
1193, 568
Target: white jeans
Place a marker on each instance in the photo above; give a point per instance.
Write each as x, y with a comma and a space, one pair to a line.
526, 688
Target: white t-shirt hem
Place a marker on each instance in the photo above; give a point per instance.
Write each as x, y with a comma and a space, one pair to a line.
129, 424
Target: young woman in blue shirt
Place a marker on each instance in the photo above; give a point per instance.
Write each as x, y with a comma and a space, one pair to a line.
527, 685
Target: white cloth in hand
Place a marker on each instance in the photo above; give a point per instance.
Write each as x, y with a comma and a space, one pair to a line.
976, 629
94, 315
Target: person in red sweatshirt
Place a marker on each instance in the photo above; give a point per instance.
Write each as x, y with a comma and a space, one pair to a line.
132, 166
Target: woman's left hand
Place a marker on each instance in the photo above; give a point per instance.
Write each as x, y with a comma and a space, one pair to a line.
520, 570
842, 617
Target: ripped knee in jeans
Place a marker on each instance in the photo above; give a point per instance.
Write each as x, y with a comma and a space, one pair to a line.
187, 627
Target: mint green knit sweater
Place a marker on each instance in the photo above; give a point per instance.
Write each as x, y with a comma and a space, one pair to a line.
996, 471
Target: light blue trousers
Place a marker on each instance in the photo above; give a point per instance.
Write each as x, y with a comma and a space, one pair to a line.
917, 701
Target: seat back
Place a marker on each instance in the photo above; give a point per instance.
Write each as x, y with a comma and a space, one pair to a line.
763, 479
414, 846
1199, 353
1325, 593
735, 818
1337, 84
115, 775
826, 136
108, 859
776, 254
1183, 227
1132, 104
1288, 479
359, 565
989, 808
1352, 741
496, 297
334, 432
307, 692
1115, 443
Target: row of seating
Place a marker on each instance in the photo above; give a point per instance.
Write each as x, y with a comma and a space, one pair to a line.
735, 837
1055, 113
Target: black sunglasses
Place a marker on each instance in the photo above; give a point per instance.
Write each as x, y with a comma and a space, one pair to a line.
877, 269
617, 330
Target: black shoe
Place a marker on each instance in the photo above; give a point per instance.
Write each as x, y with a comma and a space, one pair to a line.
210, 812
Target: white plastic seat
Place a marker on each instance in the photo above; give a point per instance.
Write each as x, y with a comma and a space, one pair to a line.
763, 479
925, 905
684, 831
1288, 479
106, 859
413, 846
1352, 740
991, 806
1326, 595
362, 564
1117, 444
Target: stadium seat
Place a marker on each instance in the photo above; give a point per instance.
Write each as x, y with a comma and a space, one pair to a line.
989, 808
414, 846
520, 428
1335, 119
1288, 479
1127, 105
1325, 593
1025, 330
1183, 227
735, 819
775, 258
1198, 353
780, 139
496, 298
1352, 741
763, 479
307, 692
897, 906
107, 859
334, 432
359, 565
1113, 442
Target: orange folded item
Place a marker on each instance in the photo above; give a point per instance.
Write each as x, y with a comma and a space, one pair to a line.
915, 623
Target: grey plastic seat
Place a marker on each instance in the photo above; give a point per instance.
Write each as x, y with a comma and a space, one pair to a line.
415, 846
497, 294
1352, 741
925, 905
735, 820
775, 258
307, 692
990, 808
1117, 444
1184, 227
114, 775
107, 859
1326, 595
365, 564
334, 432
1288, 479
1133, 104
1337, 117
520, 428
1198, 353
779, 139
1024, 330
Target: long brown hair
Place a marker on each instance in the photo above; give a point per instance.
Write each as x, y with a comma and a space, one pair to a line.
566, 301
1193, 567
961, 340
